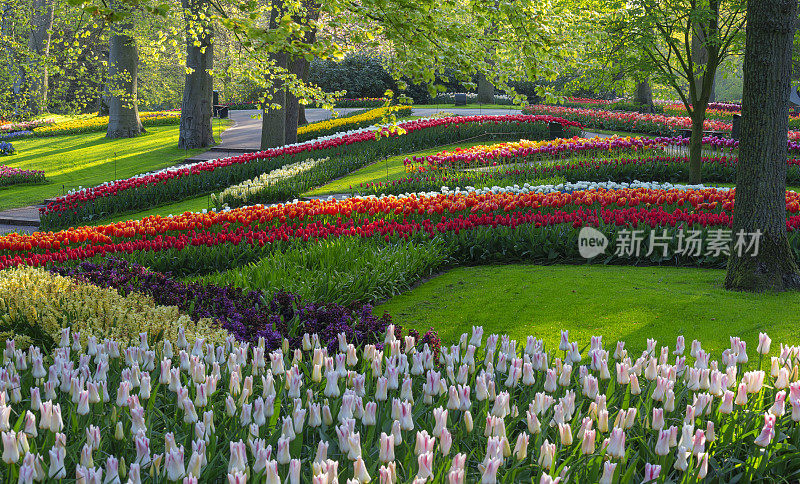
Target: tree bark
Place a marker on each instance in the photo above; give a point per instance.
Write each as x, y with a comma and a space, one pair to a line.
39, 46
273, 120
123, 69
301, 116
485, 90
760, 202
196, 129
296, 67
644, 94
300, 67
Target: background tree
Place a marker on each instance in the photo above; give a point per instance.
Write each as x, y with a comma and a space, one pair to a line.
665, 30
760, 203
123, 68
196, 130
39, 39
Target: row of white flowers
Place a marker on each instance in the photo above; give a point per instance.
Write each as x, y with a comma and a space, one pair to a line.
485, 410
240, 194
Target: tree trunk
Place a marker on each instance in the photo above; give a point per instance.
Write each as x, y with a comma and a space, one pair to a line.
485, 90
300, 67
301, 116
39, 48
696, 147
196, 130
273, 120
296, 65
644, 94
123, 68
760, 202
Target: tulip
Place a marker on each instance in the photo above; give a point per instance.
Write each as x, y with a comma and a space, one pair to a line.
608, 472
547, 454
489, 471
360, 471
56, 469
386, 453
10, 447
767, 432
651, 472
238, 459
425, 466
134, 474
588, 441
764, 343
616, 447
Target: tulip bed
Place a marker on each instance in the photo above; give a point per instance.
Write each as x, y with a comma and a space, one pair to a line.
349, 122
9, 127
482, 409
722, 112
655, 124
100, 123
14, 176
348, 151
280, 184
534, 224
572, 160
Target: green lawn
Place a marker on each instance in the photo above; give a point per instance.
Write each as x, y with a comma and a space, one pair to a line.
617, 302
87, 160
387, 170
196, 204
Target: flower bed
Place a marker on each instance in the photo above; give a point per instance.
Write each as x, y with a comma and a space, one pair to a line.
486, 409
345, 123
279, 184
475, 226
349, 151
15, 134
14, 176
25, 125
633, 122
100, 123
40, 306
6, 148
247, 315
577, 159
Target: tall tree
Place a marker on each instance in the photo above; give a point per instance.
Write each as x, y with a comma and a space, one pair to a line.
299, 66
273, 115
666, 30
123, 68
39, 49
196, 130
760, 203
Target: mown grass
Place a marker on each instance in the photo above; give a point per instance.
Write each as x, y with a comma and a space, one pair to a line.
617, 302
389, 169
374, 172
90, 159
